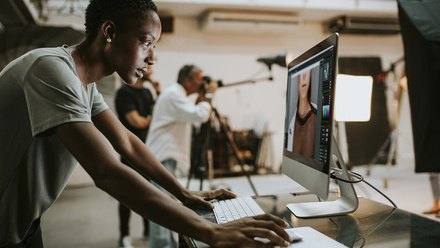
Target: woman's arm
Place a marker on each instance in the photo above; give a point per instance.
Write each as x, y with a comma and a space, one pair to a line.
135, 151
96, 155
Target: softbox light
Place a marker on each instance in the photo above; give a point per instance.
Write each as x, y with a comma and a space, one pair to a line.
420, 28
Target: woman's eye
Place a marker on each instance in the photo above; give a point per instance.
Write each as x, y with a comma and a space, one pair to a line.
147, 44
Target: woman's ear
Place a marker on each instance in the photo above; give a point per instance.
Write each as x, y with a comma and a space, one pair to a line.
108, 29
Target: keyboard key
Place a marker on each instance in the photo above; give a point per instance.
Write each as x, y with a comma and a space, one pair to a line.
236, 208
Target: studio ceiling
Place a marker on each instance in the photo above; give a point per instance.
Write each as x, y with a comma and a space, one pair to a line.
70, 12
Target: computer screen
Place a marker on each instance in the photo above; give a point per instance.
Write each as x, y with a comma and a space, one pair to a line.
309, 146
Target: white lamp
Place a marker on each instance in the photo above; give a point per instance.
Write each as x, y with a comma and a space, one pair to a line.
353, 98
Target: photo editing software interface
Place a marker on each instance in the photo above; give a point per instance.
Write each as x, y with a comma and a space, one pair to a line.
309, 110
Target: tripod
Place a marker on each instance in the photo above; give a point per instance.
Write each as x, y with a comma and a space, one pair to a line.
202, 160
391, 141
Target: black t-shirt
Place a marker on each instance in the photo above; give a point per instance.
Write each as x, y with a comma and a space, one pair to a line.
129, 98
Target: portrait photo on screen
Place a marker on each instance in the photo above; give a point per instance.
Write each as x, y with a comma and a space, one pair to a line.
303, 111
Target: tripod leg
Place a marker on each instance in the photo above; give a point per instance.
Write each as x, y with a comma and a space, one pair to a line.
198, 149
189, 178
234, 148
379, 153
391, 154
201, 183
210, 169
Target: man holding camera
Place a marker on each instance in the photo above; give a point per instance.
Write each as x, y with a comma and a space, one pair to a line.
169, 136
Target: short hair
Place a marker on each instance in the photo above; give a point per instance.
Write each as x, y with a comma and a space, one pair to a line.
187, 71
118, 11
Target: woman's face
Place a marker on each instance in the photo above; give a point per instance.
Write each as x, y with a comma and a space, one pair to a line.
131, 49
304, 83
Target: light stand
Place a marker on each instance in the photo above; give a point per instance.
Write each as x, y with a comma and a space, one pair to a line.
391, 140
281, 59
268, 78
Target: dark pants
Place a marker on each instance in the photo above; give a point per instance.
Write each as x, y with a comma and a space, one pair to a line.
124, 218
124, 215
33, 238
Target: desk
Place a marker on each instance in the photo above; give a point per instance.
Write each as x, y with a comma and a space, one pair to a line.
372, 225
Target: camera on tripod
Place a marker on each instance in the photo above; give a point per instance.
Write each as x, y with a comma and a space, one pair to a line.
208, 79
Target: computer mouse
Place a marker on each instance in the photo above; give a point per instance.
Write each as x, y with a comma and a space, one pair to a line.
294, 237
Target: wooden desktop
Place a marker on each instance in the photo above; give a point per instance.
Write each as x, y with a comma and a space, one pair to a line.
373, 224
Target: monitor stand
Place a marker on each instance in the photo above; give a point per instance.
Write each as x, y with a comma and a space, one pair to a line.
345, 204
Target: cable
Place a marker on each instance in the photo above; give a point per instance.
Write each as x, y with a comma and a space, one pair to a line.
357, 175
363, 242
380, 192
374, 228
360, 179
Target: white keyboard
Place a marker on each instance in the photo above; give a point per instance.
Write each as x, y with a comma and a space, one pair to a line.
236, 208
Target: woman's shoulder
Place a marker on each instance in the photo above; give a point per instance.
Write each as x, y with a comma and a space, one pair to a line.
51, 52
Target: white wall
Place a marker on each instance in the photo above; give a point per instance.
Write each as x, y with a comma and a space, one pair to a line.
231, 57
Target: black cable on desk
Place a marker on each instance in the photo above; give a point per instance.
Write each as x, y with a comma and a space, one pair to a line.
374, 228
357, 175
361, 179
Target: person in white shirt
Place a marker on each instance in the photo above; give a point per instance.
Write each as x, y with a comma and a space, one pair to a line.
169, 137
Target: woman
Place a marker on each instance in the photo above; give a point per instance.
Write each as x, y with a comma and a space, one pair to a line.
52, 116
302, 127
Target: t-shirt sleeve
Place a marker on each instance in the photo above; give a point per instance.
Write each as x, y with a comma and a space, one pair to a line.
124, 102
54, 95
97, 103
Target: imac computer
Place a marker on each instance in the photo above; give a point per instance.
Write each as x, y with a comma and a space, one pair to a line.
311, 154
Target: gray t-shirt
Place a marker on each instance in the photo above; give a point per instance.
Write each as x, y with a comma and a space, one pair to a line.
38, 91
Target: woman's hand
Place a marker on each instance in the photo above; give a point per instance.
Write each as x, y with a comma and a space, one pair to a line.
241, 232
201, 198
